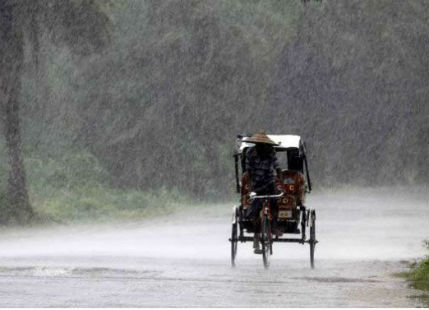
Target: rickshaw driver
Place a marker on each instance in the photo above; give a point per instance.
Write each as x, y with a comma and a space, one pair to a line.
261, 161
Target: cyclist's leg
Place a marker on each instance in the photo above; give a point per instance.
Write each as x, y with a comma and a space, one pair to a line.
254, 209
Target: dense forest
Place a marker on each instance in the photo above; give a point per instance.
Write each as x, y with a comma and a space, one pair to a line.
148, 96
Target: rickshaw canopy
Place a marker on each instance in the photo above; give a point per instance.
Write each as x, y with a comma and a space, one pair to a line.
284, 142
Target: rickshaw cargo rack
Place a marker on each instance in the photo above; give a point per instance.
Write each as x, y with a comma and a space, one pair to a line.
289, 216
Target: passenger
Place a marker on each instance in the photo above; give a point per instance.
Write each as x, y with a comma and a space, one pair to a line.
261, 162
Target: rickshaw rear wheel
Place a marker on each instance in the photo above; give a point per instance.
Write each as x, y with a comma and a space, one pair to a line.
234, 242
312, 240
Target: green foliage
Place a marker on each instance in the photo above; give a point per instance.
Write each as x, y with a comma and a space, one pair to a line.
72, 170
87, 203
75, 187
419, 273
162, 104
170, 95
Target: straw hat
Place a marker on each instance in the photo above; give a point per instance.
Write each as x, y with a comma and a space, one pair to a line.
260, 137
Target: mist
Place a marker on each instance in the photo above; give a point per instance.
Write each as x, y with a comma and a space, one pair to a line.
119, 122
383, 224
364, 238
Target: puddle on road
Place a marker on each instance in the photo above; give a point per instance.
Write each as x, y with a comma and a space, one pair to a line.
337, 280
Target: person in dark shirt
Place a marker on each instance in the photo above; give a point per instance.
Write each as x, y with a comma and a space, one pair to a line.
261, 162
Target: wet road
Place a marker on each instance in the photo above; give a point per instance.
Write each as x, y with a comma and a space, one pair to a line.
184, 261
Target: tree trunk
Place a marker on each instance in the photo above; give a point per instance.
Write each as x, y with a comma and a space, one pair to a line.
11, 57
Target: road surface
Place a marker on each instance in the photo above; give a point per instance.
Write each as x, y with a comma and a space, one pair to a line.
183, 261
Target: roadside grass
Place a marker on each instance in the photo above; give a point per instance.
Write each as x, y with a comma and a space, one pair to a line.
102, 204
75, 188
418, 275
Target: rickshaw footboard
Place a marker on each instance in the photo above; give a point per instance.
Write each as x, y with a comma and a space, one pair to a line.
288, 240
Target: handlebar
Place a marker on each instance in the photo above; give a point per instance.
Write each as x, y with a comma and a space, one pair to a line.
253, 195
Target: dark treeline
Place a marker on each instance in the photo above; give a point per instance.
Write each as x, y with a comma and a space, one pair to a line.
161, 104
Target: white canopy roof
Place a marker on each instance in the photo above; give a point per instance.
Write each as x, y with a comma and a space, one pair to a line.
284, 141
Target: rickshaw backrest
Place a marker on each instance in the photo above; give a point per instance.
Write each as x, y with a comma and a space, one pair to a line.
294, 184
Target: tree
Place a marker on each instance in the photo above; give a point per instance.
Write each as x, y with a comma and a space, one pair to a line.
82, 25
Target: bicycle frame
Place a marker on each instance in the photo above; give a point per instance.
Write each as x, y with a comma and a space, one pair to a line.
266, 205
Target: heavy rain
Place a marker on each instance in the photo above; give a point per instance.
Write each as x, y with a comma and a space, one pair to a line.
119, 125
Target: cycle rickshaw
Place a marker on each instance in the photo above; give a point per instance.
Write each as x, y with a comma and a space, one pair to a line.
291, 216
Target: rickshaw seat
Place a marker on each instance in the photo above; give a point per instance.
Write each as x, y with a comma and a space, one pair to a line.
294, 184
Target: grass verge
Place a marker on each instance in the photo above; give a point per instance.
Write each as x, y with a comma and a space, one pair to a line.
418, 275
101, 204
74, 187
